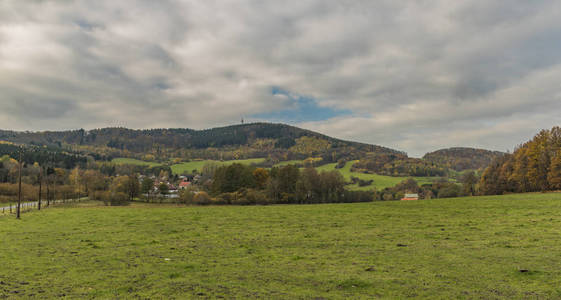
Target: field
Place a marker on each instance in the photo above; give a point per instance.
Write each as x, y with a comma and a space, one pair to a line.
198, 164
136, 162
380, 181
503, 247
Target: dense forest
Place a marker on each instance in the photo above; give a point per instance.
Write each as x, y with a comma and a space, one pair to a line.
231, 142
534, 166
461, 159
55, 157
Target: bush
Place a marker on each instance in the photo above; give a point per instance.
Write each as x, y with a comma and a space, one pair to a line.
202, 198
114, 198
119, 199
96, 195
453, 190
365, 182
357, 196
256, 197
186, 197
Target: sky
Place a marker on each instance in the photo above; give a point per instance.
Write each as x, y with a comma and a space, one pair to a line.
411, 75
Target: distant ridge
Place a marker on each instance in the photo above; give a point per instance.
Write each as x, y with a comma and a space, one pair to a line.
463, 158
257, 139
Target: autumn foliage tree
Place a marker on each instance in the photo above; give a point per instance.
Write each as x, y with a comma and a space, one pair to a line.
534, 166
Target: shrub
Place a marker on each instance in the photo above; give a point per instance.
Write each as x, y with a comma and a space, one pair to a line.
256, 197
114, 198
119, 199
450, 191
186, 197
340, 164
202, 198
365, 182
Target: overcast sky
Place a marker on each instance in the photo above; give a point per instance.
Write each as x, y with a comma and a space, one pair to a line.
412, 75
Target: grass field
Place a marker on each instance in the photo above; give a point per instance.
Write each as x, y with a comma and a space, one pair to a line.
198, 164
136, 162
441, 248
380, 181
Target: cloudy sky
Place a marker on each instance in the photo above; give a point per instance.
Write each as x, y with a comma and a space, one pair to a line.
411, 75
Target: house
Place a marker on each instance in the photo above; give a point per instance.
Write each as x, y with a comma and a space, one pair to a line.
184, 184
410, 197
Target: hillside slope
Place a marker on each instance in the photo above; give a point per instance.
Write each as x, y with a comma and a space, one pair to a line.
238, 141
461, 158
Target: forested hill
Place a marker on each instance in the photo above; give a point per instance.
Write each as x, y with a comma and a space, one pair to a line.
460, 158
244, 140
534, 166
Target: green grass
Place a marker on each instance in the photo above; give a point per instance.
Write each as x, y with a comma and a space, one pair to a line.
380, 181
436, 249
188, 167
136, 162
289, 162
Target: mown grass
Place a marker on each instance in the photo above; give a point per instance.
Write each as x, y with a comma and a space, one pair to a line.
136, 162
380, 181
188, 167
442, 248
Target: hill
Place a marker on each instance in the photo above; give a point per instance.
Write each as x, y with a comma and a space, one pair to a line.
461, 158
258, 140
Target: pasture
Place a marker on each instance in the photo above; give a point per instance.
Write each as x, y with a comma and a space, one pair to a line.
500, 247
136, 162
188, 167
380, 181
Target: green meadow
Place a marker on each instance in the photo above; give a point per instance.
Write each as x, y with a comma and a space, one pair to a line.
380, 181
198, 164
136, 162
500, 247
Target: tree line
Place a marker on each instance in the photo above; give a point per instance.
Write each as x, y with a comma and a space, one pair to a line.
534, 166
245, 185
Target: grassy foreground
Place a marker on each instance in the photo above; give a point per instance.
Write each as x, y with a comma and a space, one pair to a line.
453, 248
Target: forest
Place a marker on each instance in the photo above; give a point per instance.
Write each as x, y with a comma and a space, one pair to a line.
244, 141
534, 166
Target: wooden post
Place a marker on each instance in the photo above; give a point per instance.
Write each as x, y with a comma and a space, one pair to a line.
54, 186
40, 185
19, 187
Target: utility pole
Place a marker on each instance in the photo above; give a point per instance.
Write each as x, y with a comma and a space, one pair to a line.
19, 187
40, 185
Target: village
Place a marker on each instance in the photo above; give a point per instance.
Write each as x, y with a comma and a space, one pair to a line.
165, 186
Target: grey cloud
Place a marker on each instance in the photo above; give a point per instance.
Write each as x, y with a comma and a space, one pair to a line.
415, 74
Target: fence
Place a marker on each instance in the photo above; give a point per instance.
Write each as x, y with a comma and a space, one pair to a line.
29, 206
